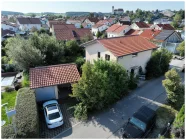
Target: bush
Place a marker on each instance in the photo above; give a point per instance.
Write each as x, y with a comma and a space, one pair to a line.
7, 132
25, 82
26, 118
132, 81
79, 62
178, 128
80, 112
17, 86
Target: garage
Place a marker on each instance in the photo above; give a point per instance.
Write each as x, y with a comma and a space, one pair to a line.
53, 82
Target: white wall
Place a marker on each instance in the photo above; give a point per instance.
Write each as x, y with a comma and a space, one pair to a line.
28, 26
101, 28
135, 27
91, 52
45, 93
122, 33
5, 27
141, 59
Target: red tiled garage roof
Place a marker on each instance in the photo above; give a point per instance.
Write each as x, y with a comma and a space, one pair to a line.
125, 45
150, 33
53, 75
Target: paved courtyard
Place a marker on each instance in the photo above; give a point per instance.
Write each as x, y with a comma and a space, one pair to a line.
68, 118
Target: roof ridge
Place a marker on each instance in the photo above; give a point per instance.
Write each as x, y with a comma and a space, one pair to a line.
40, 67
116, 37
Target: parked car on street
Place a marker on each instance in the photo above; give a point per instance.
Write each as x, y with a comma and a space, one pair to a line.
140, 124
53, 114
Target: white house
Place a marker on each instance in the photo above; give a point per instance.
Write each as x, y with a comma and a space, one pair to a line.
91, 21
77, 23
139, 26
117, 30
53, 82
99, 27
26, 24
162, 21
131, 52
5, 25
162, 27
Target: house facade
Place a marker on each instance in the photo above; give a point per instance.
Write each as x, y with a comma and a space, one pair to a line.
139, 26
99, 27
26, 24
76, 23
9, 26
162, 27
131, 52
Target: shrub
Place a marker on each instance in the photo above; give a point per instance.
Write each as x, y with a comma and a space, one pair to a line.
17, 86
178, 128
26, 118
79, 62
80, 112
132, 81
7, 132
25, 82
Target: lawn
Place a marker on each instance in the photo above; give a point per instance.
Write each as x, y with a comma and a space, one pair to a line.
165, 115
7, 97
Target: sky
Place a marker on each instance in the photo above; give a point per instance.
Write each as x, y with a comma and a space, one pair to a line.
96, 6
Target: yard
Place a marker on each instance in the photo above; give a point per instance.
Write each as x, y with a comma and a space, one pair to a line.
7, 97
165, 115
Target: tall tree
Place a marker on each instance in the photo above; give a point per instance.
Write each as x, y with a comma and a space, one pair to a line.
181, 48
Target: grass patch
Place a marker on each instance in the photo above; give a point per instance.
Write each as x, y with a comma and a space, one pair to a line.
165, 115
25, 82
7, 97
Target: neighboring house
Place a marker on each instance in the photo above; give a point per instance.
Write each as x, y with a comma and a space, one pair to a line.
9, 26
125, 20
44, 23
139, 26
53, 82
76, 23
91, 21
136, 20
61, 27
150, 33
87, 25
4, 18
107, 22
168, 39
69, 32
117, 30
99, 27
6, 34
162, 27
134, 32
55, 22
131, 52
168, 13
26, 24
162, 21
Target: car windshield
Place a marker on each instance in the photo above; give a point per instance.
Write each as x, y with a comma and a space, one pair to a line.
141, 125
51, 107
53, 116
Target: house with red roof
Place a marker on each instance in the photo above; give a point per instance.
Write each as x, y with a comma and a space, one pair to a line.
90, 21
131, 52
139, 26
99, 27
76, 23
53, 82
117, 30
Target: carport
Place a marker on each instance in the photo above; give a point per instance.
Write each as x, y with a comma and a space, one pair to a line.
53, 82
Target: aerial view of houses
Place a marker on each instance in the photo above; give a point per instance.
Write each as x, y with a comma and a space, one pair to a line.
93, 70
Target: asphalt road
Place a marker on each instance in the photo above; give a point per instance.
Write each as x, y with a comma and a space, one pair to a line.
108, 123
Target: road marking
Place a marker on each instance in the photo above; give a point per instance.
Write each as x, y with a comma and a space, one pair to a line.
66, 130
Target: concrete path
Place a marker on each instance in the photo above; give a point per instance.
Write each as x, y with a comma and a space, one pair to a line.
108, 123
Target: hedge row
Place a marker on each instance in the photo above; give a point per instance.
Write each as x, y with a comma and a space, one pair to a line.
26, 118
7, 132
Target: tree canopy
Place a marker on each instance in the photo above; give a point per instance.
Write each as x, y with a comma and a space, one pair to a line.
181, 48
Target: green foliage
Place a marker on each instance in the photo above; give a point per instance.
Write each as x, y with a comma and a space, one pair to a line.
33, 15
25, 82
86, 38
174, 88
101, 84
178, 128
8, 67
8, 89
81, 26
177, 17
175, 24
34, 29
23, 53
98, 34
158, 63
7, 132
4, 60
26, 118
79, 62
181, 48
80, 112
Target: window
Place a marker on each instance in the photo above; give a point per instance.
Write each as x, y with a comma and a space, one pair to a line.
98, 54
107, 57
134, 54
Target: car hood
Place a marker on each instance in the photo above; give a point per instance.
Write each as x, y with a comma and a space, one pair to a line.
132, 131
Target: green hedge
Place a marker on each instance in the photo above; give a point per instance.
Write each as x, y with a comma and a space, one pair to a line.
26, 117
7, 132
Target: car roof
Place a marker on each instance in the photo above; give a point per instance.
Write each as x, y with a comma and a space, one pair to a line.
144, 114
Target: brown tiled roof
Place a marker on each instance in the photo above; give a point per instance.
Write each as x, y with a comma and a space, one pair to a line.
52, 22
97, 25
126, 45
63, 26
29, 20
53, 75
150, 33
116, 28
5, 32
95, 20
102, 21
166, 26
84, 24
71, 34
142, 24
132, 32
